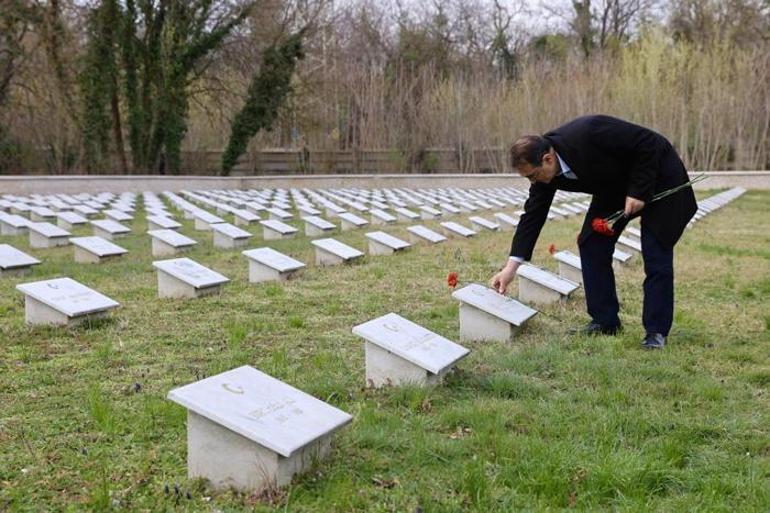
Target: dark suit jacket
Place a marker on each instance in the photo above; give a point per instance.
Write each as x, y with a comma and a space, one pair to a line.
612, 159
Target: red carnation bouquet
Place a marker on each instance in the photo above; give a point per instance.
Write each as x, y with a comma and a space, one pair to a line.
608, 225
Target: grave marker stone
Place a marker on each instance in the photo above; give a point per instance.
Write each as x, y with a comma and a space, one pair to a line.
569, 266
95, 250
245, 218
488, 316
185, 278
267, 264
507, 220
398, 351
428, 212
249, 431
204, 220
273, 229
70, 220
47, 235
229, 236
419, 233
350, 221
315, 226
629, 245
14, 262
109, 229
381, 243
480, 223
540, 286
63, 301
159, 222
334, 252
457, 230
169, 242
13, 224
381, 217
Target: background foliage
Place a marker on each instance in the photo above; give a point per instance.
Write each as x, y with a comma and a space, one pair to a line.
144, 87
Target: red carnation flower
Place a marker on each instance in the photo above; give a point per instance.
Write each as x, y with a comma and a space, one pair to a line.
552, 249
452, 280
601, 226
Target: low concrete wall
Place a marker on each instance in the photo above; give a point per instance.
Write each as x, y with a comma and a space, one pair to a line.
26, 185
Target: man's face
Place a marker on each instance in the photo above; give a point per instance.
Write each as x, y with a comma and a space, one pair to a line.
543, 173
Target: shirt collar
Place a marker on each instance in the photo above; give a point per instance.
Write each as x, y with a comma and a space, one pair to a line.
563, 165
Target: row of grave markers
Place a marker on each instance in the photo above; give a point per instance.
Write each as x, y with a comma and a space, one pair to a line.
250, 431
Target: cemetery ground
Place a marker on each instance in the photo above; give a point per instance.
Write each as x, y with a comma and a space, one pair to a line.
547, 421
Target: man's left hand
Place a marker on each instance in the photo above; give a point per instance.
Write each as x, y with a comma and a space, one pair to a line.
633, 206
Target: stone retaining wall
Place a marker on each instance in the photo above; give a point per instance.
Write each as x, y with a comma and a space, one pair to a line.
26, 185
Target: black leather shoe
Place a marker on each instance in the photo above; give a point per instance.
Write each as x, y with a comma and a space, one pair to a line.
654, 341
594, 328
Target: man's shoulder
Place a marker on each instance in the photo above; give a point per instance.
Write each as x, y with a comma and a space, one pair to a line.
591, 120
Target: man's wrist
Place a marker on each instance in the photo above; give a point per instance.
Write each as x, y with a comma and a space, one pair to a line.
513, 262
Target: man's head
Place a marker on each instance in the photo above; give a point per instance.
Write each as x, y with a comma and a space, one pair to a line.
534, 159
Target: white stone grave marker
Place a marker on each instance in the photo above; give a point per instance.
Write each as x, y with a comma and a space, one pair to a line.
399, 351
273, 229
229, 236
185, 278
267, 264
480, 223
635, 232
569, 266
159, 222
487, 315
94, 250
63, 301
540, 286
381, 243
13, 224
404, 214
449, 209
118, 215
630, 245
419, 233
507, 220
279, 214
333, 209
349, 221
621, 257
457, 230
109, 229
381, 217
249, 431
47, 235
204, 220
14, 262
70, 220
244, 218
428, 212
41, 214
169, 242
315, 226
85, 211
334, 252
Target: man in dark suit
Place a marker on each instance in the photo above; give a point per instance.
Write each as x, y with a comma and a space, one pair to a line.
622, 165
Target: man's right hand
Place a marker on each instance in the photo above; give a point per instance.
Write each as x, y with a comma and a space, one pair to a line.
501, 280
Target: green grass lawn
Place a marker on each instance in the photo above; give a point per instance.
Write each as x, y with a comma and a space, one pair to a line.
547, 422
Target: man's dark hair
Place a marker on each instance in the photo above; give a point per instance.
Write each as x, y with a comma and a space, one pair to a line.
529, 149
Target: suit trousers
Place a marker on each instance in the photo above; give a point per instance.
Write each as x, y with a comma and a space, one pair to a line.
599, 282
